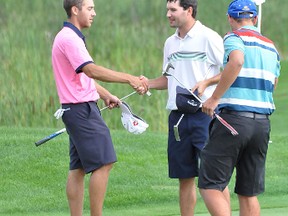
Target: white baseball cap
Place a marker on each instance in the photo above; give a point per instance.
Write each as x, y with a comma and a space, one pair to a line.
132, 123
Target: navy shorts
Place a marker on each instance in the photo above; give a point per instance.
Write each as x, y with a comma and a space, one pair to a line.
183, 156
246, 152
90, 140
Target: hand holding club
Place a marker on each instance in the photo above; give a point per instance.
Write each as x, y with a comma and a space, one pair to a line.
209, 106
200, 87
112, 101
210, 112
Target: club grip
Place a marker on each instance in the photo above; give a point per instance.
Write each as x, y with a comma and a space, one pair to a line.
51, 136
40, 142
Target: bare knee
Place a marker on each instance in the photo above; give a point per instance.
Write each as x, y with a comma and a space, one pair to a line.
249, 205
107, 167
76, 176
75, 183
103, 170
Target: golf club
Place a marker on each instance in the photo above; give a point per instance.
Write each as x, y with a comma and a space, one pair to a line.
223, 122
176, 131
166, 73
57, 133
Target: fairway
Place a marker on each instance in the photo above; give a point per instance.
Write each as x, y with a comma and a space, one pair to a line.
126, 36
33, 178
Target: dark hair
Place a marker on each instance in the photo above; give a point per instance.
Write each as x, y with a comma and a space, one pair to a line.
68, 4
186, 4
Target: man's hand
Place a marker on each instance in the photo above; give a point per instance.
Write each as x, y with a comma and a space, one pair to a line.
200, 87
140, 84
210, 105
111, 101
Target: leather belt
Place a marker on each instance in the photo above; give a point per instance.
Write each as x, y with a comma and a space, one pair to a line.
251, 115
177, 111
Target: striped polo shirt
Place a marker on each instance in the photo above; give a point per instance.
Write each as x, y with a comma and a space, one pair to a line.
253, 88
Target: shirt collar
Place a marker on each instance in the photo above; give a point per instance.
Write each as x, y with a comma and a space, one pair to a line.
250, 27
75, 29
192, 31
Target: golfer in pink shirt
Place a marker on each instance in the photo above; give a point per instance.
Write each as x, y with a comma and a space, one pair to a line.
91, 147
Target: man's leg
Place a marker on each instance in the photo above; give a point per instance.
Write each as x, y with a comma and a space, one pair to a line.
249, 206
97, 189
226, 194
187, 196
216, 201
75, 191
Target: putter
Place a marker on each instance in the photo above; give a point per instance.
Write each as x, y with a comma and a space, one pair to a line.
57, 133
166, 73
176, 131
223, 122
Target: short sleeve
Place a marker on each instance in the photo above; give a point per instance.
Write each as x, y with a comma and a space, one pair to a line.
232, 42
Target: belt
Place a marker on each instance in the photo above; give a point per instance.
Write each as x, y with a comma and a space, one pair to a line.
69, 104
251, 115
177, 111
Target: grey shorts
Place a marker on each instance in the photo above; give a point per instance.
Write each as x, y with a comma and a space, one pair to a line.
90, 140
245, 152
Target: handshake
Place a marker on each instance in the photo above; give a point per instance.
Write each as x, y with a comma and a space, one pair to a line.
140, 84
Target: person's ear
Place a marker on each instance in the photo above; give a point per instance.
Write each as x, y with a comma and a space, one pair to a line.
255, 20
74, 10
190, 10
230, 19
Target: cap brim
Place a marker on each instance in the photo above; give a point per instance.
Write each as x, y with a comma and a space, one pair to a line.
125, 108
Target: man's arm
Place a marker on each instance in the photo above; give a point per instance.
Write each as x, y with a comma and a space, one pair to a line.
106, 75
230, 73
275, 83
228, 76
159, 83
202, 85
109, 99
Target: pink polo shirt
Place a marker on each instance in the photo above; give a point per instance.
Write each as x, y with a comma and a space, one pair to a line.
69, 56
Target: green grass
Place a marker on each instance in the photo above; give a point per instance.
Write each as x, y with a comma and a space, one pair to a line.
33, 178
127, 35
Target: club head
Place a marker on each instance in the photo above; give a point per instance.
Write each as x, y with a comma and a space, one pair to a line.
176, 133
176, 130
167, 68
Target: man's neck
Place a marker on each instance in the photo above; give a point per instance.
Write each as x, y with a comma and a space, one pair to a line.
182, 32
74, 22
244, 22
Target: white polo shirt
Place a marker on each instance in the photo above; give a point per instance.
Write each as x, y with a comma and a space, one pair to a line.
69, 56
196, 57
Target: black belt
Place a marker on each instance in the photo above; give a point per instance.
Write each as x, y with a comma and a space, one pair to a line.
245, 114
69, 104
177, 111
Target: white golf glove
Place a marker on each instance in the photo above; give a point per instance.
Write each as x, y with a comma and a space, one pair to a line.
59, 113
